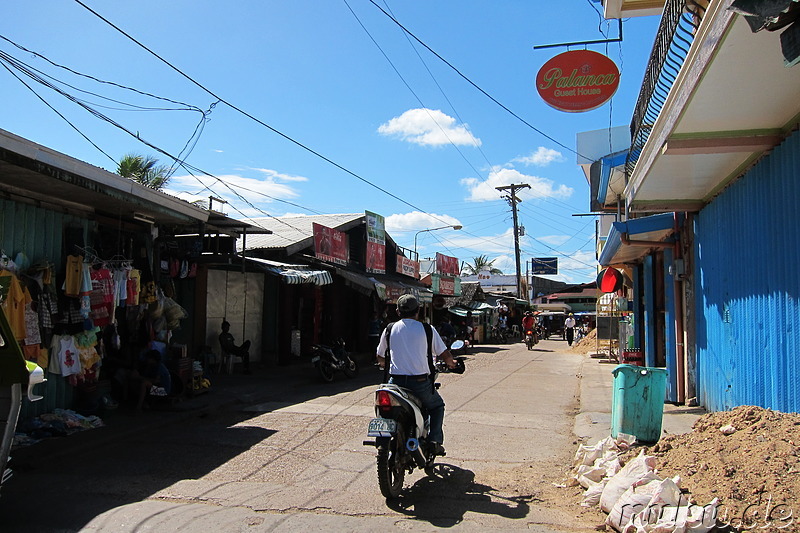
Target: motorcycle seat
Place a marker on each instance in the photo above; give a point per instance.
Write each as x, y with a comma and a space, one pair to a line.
406, 394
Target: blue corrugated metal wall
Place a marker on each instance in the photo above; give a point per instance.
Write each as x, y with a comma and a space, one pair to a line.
39, 232
747, 253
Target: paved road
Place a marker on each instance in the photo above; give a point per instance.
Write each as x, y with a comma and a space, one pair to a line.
292, 459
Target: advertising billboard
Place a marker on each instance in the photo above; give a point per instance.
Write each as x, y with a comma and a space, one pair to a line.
330, 245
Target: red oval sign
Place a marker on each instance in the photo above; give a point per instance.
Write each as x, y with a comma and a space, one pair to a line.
579, 80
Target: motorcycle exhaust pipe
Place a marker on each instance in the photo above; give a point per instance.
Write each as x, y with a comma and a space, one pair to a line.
412, 445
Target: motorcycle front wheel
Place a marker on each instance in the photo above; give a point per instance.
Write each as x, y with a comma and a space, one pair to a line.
325, 371
390, 473
350, 367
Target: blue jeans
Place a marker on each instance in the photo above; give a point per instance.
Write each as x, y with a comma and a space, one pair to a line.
431, 401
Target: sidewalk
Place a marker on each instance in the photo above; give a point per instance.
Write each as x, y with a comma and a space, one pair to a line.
226, 390
593, 422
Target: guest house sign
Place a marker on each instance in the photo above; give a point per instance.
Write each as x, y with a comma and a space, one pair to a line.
578, 80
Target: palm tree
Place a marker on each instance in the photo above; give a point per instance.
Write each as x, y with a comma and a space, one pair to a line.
480, 264
144, 170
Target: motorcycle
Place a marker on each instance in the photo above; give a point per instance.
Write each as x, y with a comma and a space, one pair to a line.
530, 338
15, 374
330, 359
400, 429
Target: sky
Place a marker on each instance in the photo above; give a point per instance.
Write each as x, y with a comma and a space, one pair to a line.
416, 109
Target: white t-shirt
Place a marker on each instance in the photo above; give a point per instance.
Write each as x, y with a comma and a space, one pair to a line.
569, 322
410, 348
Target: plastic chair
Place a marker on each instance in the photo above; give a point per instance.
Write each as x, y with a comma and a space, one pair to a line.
515, 331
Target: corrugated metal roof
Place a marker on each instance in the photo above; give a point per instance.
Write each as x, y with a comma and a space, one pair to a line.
296, 231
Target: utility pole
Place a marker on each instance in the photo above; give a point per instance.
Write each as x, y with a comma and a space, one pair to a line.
512, 199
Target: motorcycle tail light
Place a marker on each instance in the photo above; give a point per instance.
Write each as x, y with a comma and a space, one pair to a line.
385, 401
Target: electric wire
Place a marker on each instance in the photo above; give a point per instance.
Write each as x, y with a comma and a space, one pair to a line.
249, 115
183, 164
408, 86
436, 82
65, 119
475, 85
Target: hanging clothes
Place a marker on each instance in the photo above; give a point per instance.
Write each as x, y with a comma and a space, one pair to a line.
134, 277
16, 298
68, 356
72, 283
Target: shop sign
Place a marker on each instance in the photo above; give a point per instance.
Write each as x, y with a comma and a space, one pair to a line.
407, 267
330, 245
446, 285
544, 265
578, 80
376, 243
446, 264
394, 293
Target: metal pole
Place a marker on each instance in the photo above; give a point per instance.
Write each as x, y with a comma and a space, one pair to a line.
513, 201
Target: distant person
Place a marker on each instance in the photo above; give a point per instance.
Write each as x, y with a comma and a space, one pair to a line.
569, 328
375, 329
447, 331
226, 342
528, 322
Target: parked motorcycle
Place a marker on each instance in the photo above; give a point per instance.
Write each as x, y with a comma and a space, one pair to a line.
400, 429
15, 375
330, 359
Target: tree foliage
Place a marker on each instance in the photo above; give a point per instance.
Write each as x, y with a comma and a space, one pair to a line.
480, 264
144, 170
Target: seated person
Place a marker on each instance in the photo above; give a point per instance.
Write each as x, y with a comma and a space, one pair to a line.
226, 342
152, 378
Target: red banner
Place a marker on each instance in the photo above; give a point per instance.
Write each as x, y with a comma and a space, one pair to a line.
407, 267
330, 245
376, 257
447, 286
446, 264
578, 80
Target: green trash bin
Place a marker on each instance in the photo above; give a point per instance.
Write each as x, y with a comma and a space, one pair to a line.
638, 402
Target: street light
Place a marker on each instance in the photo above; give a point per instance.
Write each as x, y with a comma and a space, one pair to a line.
454, 226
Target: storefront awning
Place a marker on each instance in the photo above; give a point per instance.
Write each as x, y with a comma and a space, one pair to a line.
655, 229
293, 274
458, 311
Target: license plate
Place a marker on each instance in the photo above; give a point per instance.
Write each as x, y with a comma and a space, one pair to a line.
381, 427
315, 359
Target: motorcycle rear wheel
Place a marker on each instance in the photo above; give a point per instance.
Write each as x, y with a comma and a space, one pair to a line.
390, 473
325, 371
350, 367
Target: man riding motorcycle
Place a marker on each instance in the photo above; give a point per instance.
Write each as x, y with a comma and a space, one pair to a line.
409, 367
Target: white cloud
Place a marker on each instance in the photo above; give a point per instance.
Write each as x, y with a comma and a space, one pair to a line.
259, 191
416, 221
553, 240
429, 127
484, 191
541, 157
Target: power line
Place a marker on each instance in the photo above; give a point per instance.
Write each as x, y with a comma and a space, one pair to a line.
408, 86
246, 114
489, 96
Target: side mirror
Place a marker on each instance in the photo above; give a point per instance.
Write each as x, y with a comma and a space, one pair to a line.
457, 345
36, 376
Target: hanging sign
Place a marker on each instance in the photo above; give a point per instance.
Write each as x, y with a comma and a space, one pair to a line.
376, 243
544, 265
446, 264
610, 280
578, 80
407, 267
330, 245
